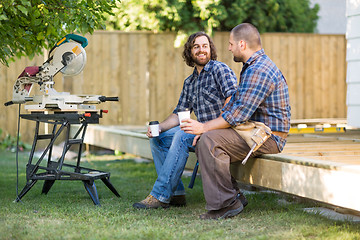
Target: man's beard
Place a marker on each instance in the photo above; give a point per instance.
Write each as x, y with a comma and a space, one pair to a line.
201, 62
238, 59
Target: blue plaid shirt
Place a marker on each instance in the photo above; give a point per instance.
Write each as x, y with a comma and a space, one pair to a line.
262, 96
205, 93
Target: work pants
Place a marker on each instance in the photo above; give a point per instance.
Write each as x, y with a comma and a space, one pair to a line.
215, 151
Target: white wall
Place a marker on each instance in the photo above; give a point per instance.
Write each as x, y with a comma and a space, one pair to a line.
332, 18
353, 61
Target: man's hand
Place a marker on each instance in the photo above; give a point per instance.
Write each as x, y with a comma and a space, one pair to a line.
196, 138
148, 134
192, 126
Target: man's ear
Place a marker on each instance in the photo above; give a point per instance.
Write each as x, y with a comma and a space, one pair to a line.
242, 44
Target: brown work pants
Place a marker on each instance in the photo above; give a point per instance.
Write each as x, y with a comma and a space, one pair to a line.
215, 151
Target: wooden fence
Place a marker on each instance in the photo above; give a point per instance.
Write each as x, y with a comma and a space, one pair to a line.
147, 72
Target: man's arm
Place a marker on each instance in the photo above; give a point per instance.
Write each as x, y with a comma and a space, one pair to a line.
226, 102
194, 127
171, 121
197, 128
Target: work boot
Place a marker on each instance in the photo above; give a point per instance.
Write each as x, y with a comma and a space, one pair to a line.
230, 211
150, 202
178, 201
242, 198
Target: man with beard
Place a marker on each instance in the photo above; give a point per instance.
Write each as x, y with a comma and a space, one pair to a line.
205, 92
262, 96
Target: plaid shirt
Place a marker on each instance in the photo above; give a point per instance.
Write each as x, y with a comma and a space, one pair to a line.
205, 93
262, 96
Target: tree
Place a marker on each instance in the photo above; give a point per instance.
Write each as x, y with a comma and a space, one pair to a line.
187, 16
27, 26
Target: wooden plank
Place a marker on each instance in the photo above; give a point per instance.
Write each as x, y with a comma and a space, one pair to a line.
299, 103
341, 110
337, 153
310, 79
153, 77
169, 80
141, 82
314, 121
126, 66
158, 79
333, 80
350, 159
315, 80
114, 80
326, 80
4, 84
325, 185
291, 73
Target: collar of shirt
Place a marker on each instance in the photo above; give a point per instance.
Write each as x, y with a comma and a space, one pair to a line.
253, 57
206, 68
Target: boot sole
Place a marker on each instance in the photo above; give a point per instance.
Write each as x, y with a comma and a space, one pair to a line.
232, 213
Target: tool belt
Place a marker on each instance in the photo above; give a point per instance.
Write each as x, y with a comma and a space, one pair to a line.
253, 133
280, 134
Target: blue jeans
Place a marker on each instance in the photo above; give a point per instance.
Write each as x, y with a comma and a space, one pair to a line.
170, 152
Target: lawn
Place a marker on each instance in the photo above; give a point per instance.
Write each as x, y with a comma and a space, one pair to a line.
67, 211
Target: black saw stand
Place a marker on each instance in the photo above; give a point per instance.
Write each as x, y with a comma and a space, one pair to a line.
55, 169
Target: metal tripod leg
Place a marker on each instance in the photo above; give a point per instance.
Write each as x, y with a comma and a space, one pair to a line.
27, 187
91, 189
47, 185
110, 186
193, 176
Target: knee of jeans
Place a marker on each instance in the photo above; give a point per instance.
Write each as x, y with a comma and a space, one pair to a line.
181, 136
154, 143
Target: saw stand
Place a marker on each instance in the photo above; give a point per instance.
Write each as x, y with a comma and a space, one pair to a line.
53, 170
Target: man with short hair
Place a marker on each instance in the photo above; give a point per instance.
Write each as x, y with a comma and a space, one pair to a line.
262, 96
204, 92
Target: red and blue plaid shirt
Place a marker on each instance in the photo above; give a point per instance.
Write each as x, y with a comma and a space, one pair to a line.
262, 96
205, 93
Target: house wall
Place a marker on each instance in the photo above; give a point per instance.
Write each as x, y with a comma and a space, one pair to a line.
353, 62
332, 18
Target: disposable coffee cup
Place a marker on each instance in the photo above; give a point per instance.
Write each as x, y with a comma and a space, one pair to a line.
183, 115
154, 128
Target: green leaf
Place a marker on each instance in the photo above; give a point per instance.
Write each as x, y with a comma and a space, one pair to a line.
40, 36
36, 13
26, 3
22, 9
3, 17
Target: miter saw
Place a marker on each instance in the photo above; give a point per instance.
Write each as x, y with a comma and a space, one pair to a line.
61, 110
67, 56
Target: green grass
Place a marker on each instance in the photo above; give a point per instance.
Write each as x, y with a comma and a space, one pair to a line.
67, 211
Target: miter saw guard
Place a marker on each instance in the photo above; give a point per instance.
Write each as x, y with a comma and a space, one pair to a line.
67, 56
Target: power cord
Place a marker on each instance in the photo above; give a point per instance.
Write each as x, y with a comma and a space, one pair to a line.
17, 158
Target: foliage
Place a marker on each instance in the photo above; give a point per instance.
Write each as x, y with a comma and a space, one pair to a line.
187, 16
26, 26
9, 142
274, 15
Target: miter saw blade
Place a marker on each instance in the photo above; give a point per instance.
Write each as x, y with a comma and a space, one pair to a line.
72, 55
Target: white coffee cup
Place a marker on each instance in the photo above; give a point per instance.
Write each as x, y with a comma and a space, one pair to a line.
183, 115
154, 128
